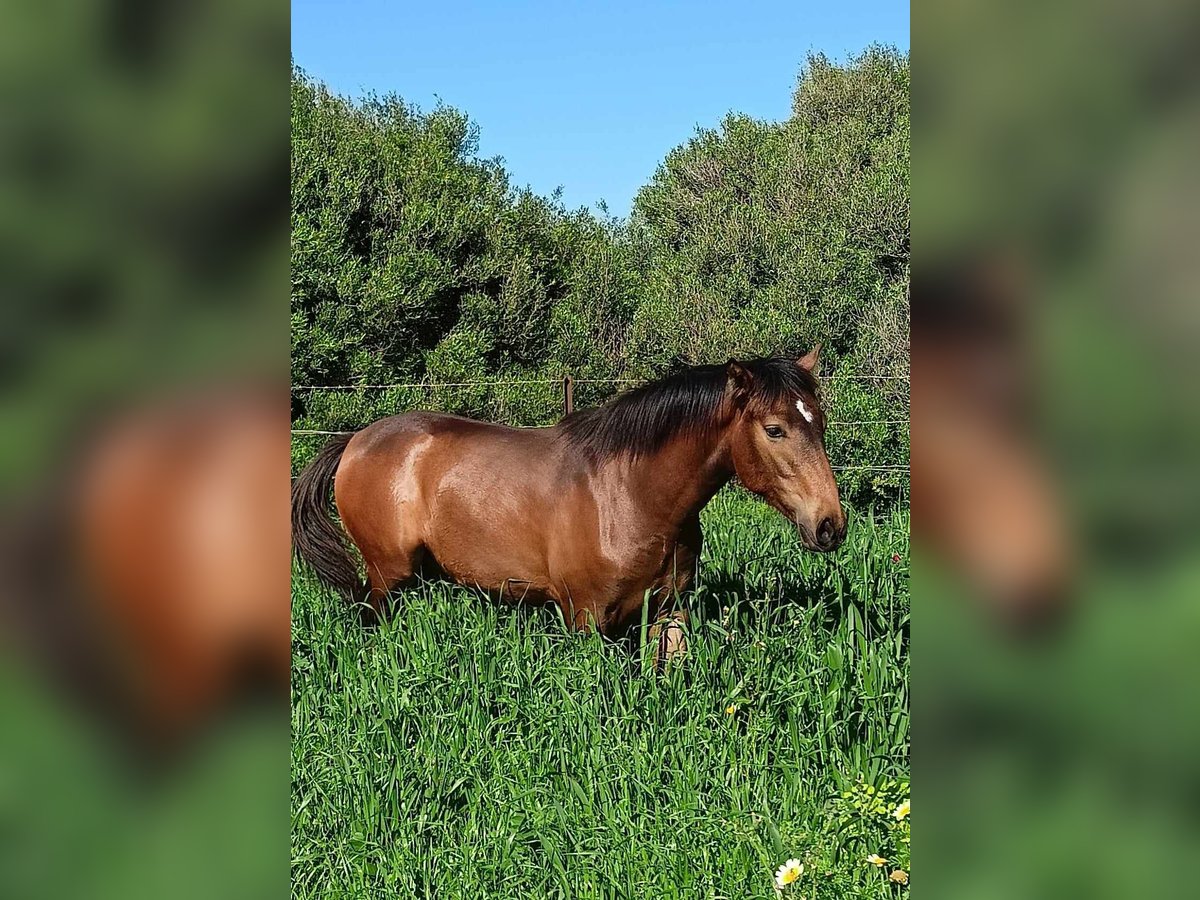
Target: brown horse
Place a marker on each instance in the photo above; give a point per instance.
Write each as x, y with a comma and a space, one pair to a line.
985, 501
146, 574
596, 513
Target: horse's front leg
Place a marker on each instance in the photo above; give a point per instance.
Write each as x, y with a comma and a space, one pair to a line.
670, 636
669, 612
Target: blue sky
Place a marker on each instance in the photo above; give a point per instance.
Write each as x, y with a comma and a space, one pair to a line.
586, 97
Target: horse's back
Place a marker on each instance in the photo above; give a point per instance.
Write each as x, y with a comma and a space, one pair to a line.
432, 446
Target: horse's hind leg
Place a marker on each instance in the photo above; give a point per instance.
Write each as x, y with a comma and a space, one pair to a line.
387, 573
378, 494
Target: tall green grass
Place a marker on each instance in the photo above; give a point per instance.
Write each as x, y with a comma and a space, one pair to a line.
465, 749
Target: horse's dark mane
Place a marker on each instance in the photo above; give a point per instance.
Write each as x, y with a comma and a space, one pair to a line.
644, 419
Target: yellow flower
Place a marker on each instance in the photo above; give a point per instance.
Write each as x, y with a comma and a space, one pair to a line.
876, 860
730, 709
787, 873
902, 810
899, 876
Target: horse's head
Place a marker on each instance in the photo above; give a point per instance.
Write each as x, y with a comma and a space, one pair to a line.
778, 445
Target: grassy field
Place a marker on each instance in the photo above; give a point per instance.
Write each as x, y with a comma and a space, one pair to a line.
463, 749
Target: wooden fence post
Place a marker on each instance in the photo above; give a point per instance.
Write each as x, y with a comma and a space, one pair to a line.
568, 395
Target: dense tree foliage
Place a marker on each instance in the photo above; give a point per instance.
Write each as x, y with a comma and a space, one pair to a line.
413, 260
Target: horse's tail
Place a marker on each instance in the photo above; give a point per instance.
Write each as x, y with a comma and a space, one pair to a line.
316, 537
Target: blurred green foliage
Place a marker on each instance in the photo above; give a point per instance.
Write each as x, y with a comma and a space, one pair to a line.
414, 260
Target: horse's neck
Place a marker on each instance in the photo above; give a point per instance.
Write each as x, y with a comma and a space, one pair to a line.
675, 483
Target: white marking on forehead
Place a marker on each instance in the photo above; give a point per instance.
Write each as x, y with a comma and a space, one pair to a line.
804, 411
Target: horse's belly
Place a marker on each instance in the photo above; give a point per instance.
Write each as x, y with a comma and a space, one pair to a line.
493, 568
485, 539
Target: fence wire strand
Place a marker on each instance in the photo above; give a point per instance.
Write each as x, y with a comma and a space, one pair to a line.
831, 422
432, 385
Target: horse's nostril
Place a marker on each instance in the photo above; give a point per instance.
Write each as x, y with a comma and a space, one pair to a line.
825, 532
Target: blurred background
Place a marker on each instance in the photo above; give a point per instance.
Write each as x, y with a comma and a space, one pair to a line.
1056, 573
143, 469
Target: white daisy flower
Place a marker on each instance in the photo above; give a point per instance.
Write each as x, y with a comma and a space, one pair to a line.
789, 872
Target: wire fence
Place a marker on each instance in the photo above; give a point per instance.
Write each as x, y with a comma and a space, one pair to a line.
527, 381
567, 385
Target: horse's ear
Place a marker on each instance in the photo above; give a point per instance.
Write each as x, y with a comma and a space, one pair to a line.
811, 361
742, 380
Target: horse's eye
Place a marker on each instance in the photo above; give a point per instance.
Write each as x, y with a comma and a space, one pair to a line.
774, 431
